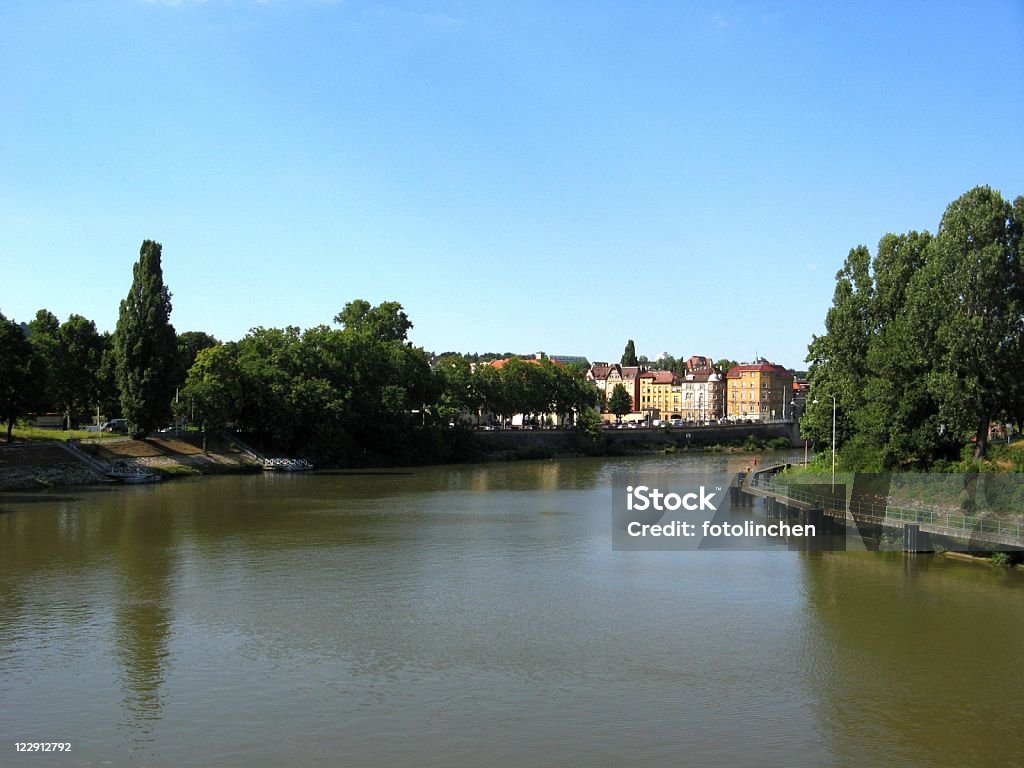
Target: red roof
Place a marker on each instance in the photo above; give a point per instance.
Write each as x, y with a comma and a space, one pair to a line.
600, 371
660, 377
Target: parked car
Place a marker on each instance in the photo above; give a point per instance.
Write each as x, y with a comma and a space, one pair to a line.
115, 425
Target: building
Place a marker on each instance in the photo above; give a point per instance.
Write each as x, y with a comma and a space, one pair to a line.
566, 359
702, 390
605, 376
760, 391
631, 381
659, 395
698, 364
703, 396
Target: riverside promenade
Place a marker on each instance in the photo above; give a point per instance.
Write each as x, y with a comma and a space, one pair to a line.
856, 509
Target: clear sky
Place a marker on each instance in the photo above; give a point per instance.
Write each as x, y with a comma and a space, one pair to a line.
520, 176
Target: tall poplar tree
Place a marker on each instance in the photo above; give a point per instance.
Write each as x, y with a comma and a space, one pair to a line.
146, 346
629, 357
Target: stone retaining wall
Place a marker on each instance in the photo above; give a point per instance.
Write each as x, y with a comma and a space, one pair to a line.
567, 440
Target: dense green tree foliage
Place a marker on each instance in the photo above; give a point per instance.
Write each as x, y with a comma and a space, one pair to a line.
78, 384
619, 402
190, 344
66, 366
146, 346
455, 389
536, 389
108, 394
336, 395
725, 365
924, 344
629, 355
212, 394
16, 385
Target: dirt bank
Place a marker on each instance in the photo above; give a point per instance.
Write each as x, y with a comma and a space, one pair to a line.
38, 465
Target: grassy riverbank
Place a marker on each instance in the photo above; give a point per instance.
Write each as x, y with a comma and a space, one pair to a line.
37, 461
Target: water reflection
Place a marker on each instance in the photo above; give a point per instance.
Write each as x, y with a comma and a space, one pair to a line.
467, 614
78, 573
938, 647
146, 559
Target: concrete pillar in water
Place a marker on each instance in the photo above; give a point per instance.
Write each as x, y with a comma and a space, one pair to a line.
816, 516
911, 537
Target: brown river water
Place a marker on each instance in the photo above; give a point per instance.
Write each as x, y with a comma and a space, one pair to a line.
478, 615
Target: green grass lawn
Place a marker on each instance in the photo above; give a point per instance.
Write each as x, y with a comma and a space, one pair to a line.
38, 434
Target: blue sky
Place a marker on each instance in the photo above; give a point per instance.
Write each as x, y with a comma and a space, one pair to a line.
557, 176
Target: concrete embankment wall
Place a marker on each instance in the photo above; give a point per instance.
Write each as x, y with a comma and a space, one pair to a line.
626, 439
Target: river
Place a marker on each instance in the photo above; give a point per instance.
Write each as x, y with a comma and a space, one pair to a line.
460, 616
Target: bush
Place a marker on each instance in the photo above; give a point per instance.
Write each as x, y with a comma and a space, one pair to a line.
859, 456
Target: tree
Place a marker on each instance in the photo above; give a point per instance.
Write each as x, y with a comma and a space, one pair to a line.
589, 424
972, 288
668, 363
724, 365
213, 388
523, 384
81, 353
899, 416
839, 358
190, 344
568, 391
43, 332
923, 345
15, 384
489, 385
146, 346
629, 355
620, 403
108, 395
453, 378
385, 322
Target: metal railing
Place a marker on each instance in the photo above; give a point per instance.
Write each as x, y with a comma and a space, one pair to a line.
890, 514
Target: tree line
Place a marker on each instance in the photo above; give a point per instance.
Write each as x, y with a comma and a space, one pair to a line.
924, 343
73, 369
357, 391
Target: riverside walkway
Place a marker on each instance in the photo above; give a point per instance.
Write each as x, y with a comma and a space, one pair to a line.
979, 532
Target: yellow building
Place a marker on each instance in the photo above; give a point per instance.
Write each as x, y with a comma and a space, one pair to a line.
760, 391
660, 395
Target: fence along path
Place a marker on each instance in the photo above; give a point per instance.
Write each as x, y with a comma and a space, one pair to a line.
765, 483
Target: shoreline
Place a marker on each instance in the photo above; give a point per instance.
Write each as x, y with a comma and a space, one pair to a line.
45, 464
41, 464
